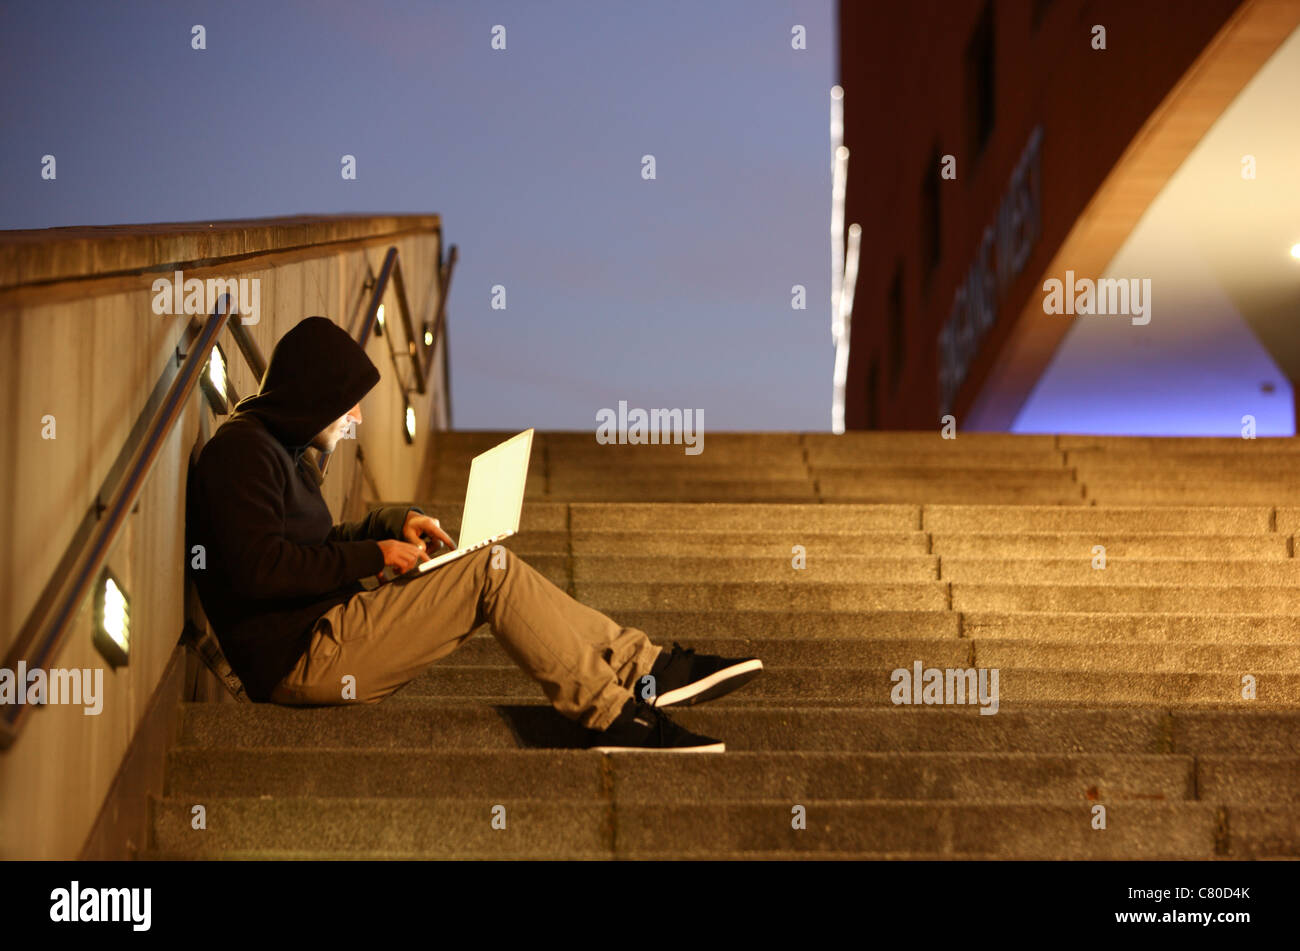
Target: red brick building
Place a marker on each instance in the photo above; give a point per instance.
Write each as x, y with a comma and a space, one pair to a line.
1058, 147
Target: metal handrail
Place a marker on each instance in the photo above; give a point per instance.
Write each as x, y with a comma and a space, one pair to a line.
439, 323
391, 269
376, 297
248, 347
399, 288
48, 624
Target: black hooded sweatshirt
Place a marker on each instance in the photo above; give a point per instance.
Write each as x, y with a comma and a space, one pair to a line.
275, 560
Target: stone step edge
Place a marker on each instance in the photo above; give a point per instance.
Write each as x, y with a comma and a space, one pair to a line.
150, 855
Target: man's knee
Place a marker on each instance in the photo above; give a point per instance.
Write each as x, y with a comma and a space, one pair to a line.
495, 567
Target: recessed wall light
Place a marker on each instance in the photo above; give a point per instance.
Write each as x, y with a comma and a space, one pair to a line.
112, 620
215, 381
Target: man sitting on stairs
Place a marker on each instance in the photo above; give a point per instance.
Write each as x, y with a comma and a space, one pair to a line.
282, 588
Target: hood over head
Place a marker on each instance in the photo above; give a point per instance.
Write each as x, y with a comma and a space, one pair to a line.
316, 373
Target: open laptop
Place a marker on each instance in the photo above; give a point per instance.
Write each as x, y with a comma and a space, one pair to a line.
494, 499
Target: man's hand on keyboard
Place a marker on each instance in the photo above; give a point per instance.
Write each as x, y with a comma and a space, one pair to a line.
418, 526
400, 556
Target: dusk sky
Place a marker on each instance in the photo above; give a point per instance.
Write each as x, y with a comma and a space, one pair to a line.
666, 293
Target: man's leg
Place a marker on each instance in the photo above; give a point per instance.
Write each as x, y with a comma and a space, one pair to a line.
383, 639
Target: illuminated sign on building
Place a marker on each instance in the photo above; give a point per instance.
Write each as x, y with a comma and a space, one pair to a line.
1003, 251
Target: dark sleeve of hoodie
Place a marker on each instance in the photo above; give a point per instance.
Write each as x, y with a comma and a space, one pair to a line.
246, 518
384, 522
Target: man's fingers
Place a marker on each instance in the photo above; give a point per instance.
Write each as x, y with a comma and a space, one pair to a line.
417, 526
409, 557
435, 529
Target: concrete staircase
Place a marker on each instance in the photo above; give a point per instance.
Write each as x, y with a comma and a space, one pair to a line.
1120, 687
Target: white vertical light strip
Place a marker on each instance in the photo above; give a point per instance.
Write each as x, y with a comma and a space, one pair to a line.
846, 320
842, 283
839, 163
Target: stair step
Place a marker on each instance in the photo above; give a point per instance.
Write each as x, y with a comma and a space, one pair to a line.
1142, 598
433, 828
820, 565
792, 625
1085, 627
1003, 492
1212, 519
873, 685
616, 597
1177, 546
1135, 469
668, 518
549, 828
829, 653
693, 569
1129, 571
1190, 493
748, 544
886, 442
849, 460
1108, 627
1178, 445
402, 723
740, 776
863, 517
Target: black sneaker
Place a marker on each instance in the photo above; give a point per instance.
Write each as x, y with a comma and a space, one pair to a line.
683, 677
640, 728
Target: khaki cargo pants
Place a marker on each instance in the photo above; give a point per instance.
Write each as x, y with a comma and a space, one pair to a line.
586, 663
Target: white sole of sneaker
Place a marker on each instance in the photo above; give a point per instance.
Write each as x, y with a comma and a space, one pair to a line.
706, 684
711, 748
